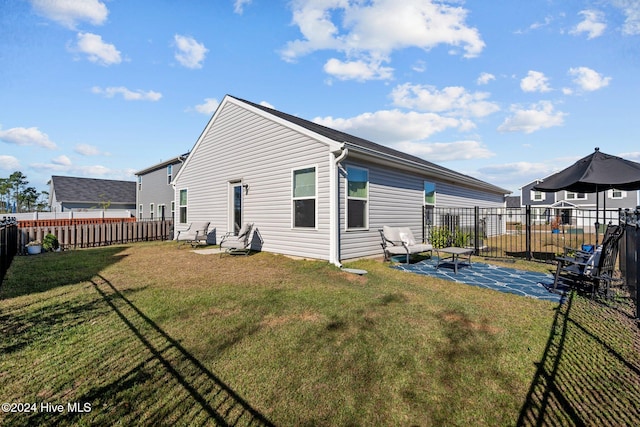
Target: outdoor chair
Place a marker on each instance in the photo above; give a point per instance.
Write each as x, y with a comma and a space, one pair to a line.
237, 244
591, 269
195, 234
400, 241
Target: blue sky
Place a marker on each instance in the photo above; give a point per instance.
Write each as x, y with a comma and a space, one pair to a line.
505, 91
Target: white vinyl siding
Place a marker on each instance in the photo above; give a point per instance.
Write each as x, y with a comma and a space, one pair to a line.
242, 145
397, 198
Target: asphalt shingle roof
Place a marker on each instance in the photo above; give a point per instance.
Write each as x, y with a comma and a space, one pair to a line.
339, 136
72, 189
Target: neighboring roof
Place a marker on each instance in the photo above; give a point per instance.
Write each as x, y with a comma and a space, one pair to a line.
70, 189
360, 144
179, 159
513, 201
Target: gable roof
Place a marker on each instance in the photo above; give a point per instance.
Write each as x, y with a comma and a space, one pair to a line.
337, 140
371, 148
91, 190
179, 159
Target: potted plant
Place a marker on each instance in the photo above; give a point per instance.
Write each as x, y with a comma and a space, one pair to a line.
34, 247
50, 243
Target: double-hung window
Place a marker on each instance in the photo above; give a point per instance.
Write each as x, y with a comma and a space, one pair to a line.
169, 174
576, 196
304, 198
536, 196
183, 206
357, 198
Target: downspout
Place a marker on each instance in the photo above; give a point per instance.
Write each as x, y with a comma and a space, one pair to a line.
334, 205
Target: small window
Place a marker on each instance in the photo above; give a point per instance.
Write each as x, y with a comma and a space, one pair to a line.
537, 196
304, 198
173, 209
357, 198
183, 206
151, 207
169, 173
617, 194
140, 211
139, 182
429, 193
161, 212
576, 196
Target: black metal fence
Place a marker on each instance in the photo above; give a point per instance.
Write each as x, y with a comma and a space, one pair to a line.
8, 243
529, 232
629, 257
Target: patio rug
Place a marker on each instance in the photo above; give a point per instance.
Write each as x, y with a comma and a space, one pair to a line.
503, 279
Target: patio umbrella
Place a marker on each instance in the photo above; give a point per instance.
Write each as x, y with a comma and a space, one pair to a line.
592, 174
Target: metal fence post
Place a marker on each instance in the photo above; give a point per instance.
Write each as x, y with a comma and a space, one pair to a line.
476, 230
527, 221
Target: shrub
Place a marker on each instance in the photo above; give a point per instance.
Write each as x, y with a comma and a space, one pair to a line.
50, 243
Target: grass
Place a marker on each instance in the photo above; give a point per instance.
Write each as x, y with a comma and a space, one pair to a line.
157, 335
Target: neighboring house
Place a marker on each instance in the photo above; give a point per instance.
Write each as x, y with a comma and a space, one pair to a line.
154, 192
568, 206
311, 191
68, 193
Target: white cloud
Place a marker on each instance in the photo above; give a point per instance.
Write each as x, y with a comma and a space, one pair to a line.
88, 150
445, 151
70, 12
485, 78
517, 172
592, 24
454, 100
535, 82
357, 70
392, 126
61, 160
189, 52
208, 107
238, 6
538, 116
266, 104
588, 79
368, 32
26, 137
9, 163
97, 51
127, 95
631, 10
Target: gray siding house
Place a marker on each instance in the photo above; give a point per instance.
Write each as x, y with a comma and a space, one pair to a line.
567, 205
311, 191
67, 193
154, 192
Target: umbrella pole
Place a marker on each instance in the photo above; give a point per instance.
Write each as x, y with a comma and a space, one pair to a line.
597, 210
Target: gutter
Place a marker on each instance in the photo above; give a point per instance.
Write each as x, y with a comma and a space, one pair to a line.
335, 157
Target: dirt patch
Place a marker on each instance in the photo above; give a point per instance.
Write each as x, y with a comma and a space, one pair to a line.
467, 323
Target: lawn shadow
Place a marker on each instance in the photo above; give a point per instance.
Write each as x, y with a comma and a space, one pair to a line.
40, 273
590, 369
186, 392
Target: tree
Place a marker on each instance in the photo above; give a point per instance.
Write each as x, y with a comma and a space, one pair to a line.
18, 181
5, 194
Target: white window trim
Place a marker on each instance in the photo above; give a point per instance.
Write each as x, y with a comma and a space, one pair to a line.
623, 194
180, 206
347, 198
424, 194
566, 195
533, 196
293, 213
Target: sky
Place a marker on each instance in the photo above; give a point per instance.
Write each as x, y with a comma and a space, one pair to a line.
507, 91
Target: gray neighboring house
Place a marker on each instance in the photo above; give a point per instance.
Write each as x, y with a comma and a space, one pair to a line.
154, 192
67, 193
567, 205
311, 191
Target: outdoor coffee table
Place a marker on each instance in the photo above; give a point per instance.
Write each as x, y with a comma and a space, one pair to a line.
454, 256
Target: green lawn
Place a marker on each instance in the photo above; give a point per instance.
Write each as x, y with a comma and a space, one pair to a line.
155, 334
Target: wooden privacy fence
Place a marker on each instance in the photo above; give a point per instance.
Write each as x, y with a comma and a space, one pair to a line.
82, 235
8, 243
